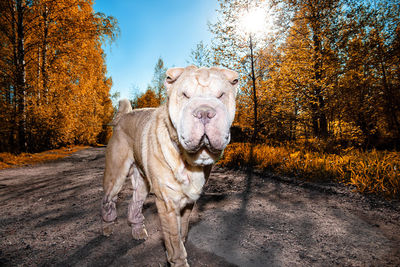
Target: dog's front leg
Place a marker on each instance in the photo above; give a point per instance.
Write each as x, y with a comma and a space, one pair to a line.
185, 221
170, 219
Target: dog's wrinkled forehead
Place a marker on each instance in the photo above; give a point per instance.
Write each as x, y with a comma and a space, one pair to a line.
204, 77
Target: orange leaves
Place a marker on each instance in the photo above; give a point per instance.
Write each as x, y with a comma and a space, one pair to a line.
8, 160
147, 100
155, 94
370, 172
66, 93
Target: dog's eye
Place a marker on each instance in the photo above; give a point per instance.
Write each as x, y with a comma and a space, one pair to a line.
221, 95
185, 95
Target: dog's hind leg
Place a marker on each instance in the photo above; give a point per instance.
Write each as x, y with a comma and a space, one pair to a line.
135, 215
119, 159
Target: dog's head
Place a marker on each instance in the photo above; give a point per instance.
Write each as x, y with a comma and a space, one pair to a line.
201, 104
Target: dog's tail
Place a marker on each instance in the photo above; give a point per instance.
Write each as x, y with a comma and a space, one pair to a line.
124, 106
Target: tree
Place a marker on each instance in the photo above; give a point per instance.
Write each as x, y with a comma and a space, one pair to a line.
148, 99
54, 90
337, 67
236, 45
155, 94
332, 69
368, 92
200, 56
13, 24
157, 83
313, 37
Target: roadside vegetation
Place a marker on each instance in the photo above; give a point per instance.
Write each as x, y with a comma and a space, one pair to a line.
9, 160
371, 171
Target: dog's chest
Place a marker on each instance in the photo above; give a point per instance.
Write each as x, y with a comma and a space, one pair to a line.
195, 186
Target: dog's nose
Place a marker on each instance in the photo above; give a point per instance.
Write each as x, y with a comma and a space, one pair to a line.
204, 113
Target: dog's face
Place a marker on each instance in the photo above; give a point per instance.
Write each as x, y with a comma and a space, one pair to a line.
201, 104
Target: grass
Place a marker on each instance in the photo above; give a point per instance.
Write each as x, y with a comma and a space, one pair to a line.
374, 172
9, 160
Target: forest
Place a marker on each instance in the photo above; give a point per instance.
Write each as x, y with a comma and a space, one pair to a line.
319, 92
53, 85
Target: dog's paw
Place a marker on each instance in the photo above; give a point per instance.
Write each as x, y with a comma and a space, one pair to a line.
139, 232
109, 211
107, 228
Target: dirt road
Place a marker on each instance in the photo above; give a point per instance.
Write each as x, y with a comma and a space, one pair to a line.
49, 216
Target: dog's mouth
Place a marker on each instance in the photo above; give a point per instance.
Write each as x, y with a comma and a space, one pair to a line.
204, 143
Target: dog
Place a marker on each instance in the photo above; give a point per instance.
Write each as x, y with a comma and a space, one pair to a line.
169, 151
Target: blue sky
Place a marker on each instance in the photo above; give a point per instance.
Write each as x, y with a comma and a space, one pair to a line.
151, 29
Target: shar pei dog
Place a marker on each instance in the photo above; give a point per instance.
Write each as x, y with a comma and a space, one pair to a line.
169, 151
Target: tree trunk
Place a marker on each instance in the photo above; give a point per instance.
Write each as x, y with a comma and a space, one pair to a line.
255, 102
389, 107
293, 135
21, 77
45, 77
320, 123
13, 138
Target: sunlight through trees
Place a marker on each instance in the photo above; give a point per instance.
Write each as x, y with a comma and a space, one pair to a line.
324, 69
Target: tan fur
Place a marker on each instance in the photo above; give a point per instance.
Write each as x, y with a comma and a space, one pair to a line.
146, 147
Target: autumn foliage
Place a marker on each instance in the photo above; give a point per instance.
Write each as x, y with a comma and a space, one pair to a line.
155, 94
369, 172
53, 85
146, 100
10, 160
329, 70
320, 93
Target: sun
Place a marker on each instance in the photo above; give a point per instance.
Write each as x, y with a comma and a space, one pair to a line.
253, 21
257, 21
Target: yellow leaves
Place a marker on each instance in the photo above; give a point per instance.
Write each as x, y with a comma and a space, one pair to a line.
146, 100
370, 172
8, 160
67, 91
376, 172
295, 155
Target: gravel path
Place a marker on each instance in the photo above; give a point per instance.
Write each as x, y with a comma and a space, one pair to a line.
49, 216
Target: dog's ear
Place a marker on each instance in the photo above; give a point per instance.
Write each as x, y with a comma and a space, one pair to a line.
172, 75
231, 76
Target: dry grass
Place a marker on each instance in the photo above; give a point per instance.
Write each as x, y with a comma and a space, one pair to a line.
370, 172
8, 160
